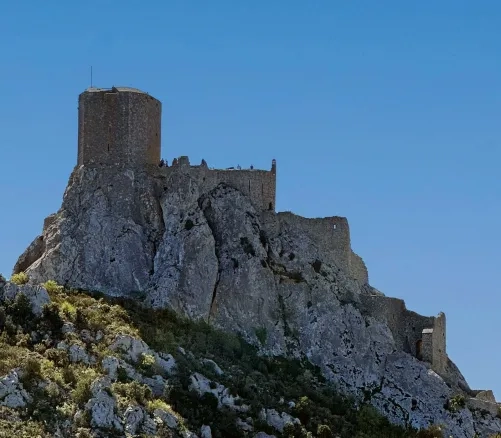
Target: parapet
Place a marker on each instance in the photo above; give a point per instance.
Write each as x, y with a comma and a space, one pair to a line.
118, 126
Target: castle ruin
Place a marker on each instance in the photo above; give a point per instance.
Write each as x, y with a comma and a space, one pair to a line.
122, 127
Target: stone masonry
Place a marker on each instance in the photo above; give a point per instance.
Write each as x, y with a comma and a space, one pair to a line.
120, 126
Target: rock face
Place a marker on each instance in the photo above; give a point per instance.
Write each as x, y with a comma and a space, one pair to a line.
271, 277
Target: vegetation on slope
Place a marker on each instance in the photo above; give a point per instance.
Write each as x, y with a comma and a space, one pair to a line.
60, 388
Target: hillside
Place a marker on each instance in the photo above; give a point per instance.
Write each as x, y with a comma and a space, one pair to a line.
80, 364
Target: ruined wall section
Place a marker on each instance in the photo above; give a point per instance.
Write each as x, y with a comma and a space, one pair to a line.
331, 235
358, 268
406, 326
258, 185
439, 344
118, 126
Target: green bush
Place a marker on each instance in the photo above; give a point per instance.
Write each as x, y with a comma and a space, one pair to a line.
19, 278
52, 287
324, 431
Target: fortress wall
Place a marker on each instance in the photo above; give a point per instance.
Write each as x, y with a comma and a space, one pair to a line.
405, 325
358, 269
258, 185
120, 126
331, 235
439, 354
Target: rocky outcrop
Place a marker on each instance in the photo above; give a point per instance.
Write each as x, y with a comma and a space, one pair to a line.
12, 393
37, 295
211, 255
202, 385
127, 234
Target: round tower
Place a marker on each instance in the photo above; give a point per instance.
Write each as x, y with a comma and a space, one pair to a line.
118, 126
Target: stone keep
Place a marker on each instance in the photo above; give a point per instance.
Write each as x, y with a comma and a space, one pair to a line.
118, 126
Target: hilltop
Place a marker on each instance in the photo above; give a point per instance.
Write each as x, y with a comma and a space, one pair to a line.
207, 245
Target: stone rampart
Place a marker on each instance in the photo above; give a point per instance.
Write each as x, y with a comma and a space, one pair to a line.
331, 235
358, 269
406, 326
258, 185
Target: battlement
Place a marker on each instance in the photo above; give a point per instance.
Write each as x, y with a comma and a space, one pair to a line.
118, 126
257, 184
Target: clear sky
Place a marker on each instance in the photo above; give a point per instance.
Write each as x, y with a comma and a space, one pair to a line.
386, 112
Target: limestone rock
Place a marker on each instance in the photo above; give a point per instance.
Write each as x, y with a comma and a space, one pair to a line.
202, 385
205, 432
134, 417
110, 365
277, 420
167, 417
12, 393
77, 353
37, 295
68, 250
246, 427
135, 349
149, 427
103, 406
132, 348
213, 365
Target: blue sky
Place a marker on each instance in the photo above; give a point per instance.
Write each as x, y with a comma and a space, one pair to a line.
384, 112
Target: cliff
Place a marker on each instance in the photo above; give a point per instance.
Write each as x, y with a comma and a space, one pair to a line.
290, 286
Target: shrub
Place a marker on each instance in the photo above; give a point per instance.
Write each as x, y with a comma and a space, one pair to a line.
51, 318
20, 310
52, 287
19, 278
68, 310
32, 372
132, 392
158, 404
324, 431
82, 393
147, 360
456, 403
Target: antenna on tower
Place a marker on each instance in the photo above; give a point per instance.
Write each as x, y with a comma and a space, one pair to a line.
91, 76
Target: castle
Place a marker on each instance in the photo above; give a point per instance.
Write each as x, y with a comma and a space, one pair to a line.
121, 127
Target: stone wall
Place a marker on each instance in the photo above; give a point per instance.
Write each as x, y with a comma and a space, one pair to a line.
434, 345
118, 126
406, 326
331, 235
258, 185
358, 269
439, 344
